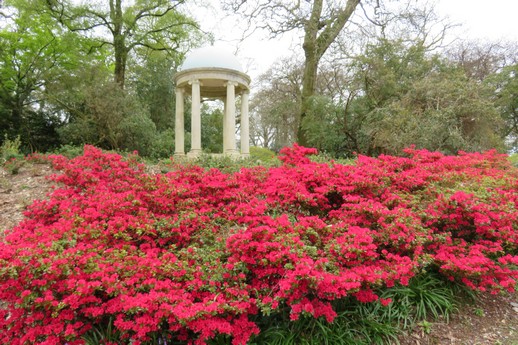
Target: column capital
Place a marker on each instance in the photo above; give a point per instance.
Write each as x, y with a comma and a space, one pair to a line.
231, 83
195, 81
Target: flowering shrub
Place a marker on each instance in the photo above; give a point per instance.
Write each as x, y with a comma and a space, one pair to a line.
194, 253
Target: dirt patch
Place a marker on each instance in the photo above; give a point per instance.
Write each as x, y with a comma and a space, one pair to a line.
17, 191
493, 320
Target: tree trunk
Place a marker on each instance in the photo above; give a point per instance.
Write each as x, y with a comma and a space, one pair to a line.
310, 65
119, 42
308, 89
120, 62
319, 34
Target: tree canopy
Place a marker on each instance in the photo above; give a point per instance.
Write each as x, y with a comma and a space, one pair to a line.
62, 62
369, 78
320, 21
150, 24
390, 96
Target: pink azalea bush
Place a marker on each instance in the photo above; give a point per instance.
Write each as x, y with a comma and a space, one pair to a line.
194, 253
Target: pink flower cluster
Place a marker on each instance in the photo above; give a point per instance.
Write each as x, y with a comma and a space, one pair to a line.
194, 253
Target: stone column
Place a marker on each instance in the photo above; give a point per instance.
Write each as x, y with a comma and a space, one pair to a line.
179, 128
225, 115
195, 119
230, 120
245, 126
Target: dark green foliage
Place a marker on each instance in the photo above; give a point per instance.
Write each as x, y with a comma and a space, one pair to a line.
153, 79
505, 82
162, 145
411, 98
57, 86
212, 129
354, 325
323, 126
102, 333
34, 53
69, 151
428, 296
138, 133
392, 95
98, 113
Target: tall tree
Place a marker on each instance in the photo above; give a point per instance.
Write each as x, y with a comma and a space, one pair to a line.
390, 96
320, 30
320, 20
275, 104
494, 64
482, 59
152, 76
34, 54
125, 26
505, 84
408, 97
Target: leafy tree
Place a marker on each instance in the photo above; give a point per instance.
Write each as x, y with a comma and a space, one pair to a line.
126, 26
101, 113
162, 145
505, 84
408, 97
321, 22
390, 96
495, 65
443, 112
138, 132
212, 129
275, 105
34, 54
323, 125
152, 77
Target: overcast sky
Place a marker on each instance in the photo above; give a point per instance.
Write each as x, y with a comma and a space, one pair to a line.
494, 19
481, 19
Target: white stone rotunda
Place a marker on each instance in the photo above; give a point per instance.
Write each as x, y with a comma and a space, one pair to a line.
216, 74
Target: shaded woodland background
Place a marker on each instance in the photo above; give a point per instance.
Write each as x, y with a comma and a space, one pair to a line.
370, 78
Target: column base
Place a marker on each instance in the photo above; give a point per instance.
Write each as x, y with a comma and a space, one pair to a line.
194, 154
232, 153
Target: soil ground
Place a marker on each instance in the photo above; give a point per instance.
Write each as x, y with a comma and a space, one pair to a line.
492, 320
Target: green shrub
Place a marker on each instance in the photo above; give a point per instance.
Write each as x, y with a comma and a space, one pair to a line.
10, 157
137, 132
69, 151
514, 159
10, 149
262, 154
327, 158
162, 145
427, 295
102, 333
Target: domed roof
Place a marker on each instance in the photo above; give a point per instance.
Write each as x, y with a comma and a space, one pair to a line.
211, 57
